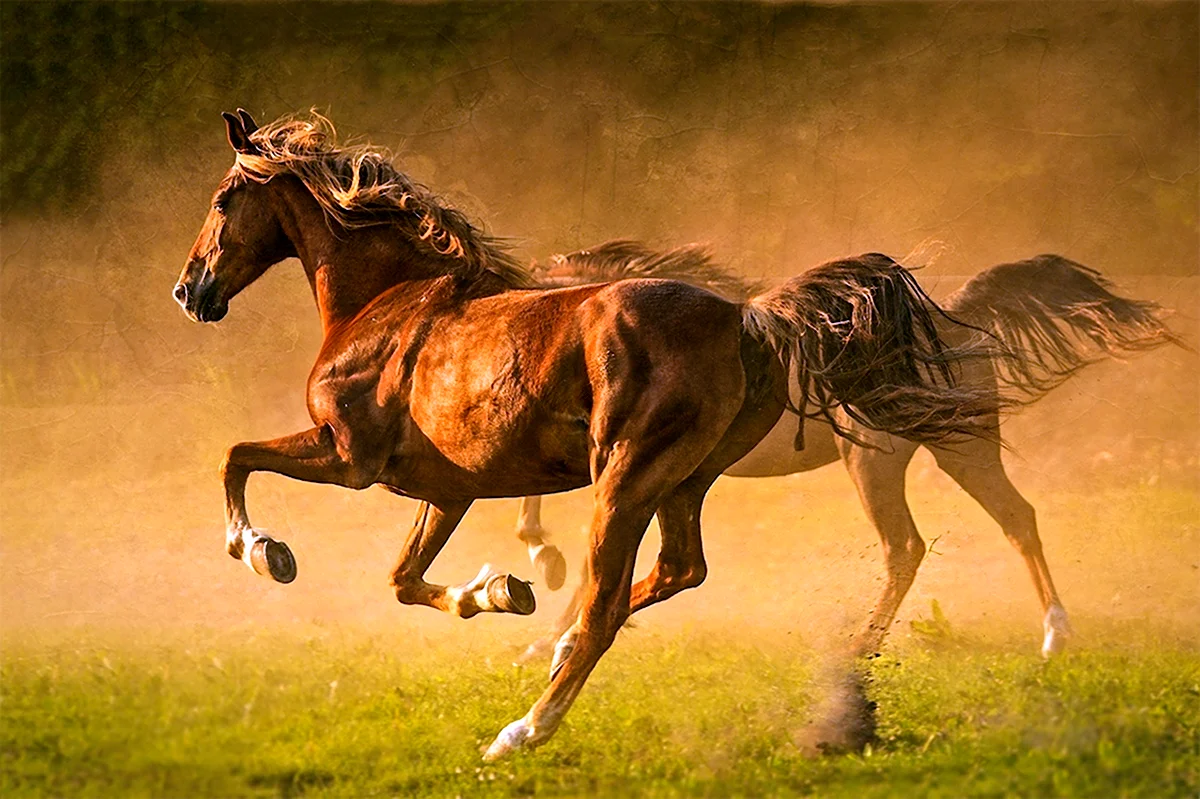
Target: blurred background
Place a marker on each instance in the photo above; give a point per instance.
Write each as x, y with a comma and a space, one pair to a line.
782, 135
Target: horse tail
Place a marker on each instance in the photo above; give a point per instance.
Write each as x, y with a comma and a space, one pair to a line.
861, 335
1052, 317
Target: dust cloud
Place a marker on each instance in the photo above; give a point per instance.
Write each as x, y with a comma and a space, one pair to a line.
782, 135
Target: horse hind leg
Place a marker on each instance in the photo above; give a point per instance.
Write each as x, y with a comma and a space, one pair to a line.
634, 476
545, 557
878, 474
680, 566
976, 466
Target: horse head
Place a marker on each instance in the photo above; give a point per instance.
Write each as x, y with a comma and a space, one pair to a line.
241, 237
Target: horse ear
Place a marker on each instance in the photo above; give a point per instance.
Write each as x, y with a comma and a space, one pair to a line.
239, 139
248, 123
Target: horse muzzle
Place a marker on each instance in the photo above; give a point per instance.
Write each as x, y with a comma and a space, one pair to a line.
200, 297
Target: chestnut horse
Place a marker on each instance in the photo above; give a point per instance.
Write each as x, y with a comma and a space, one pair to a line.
443, 378
1053, 314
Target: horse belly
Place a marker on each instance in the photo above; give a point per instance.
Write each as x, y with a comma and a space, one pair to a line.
776, 454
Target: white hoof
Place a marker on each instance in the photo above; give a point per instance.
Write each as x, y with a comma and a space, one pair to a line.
510, 739
1058, 630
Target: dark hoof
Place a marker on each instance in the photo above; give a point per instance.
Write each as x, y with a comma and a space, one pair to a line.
511, 595
552, 566
273, 559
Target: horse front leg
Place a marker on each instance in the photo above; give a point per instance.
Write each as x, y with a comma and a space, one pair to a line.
311, 456
489, 592
544, 556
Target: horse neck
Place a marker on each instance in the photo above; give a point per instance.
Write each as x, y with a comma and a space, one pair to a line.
347, 269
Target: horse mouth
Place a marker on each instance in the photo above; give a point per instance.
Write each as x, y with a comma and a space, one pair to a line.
206, 307
210, 312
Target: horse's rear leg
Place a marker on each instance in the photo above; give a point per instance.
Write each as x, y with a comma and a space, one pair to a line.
977, 467
633, 480
878, 474
680, 563
615, 538
544, 556
680, 566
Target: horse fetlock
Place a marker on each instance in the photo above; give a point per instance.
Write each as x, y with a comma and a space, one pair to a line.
519, 734
234, 544
492, 592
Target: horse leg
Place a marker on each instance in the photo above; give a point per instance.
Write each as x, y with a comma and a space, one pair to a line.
977, 467
490, 591
570, 613
311, 456
680, 566
616, 534
544, 556
878, 474
680, 563
632, 481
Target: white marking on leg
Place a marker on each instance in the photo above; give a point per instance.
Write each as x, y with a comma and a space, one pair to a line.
563, 650
535, 550
248, 536
467, 595
510, 739
1058, 629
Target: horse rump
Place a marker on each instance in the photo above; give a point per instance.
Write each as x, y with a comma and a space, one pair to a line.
860, 334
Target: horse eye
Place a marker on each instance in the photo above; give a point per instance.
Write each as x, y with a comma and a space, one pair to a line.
219, 206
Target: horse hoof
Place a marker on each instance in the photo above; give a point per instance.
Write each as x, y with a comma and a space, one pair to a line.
1058, 630
552, 566
273, 559
511, 595
510, 739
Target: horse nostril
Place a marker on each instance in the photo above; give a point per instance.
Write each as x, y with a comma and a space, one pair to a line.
181, 292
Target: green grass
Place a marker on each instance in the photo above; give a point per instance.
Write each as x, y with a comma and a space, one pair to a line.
708, 714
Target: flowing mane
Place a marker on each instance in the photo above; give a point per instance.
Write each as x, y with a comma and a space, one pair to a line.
359, 186
623, 260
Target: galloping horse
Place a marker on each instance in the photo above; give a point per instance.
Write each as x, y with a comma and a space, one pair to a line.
442, 378
1052, 314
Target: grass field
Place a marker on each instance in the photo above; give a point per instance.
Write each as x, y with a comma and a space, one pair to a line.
154, 666
664, 715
